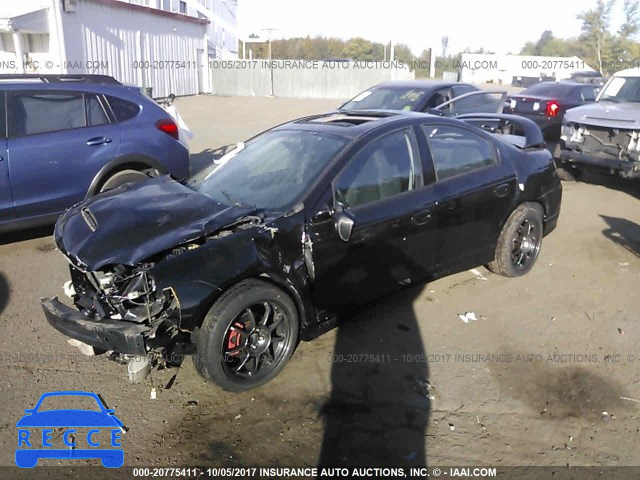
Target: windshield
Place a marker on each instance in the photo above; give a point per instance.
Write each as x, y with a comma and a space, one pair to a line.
386, 99
271, 171
621, 89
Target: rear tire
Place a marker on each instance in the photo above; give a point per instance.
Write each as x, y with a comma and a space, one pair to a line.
519, 242
120, 178
247, 336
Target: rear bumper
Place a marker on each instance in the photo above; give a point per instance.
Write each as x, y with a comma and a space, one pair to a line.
551, 202
626, 168
106, 334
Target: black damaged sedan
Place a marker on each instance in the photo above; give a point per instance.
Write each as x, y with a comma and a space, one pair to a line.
293, 228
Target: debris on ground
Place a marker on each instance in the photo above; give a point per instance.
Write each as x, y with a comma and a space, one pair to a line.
630, 399
238, 416
138, 368
468, 316
477, 273
451, 427
153, 394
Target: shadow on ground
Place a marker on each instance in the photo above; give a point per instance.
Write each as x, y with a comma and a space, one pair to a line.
623, 232
4, 292
630, 187
378, 409
29, 234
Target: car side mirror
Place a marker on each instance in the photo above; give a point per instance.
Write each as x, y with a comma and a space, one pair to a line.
322, 216
344, 222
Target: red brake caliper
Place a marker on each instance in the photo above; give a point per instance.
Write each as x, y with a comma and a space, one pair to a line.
235, 338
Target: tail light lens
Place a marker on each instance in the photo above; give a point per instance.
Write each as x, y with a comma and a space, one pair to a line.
169, 127
552, 108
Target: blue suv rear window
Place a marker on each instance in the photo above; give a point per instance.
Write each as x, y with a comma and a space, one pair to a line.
122, 109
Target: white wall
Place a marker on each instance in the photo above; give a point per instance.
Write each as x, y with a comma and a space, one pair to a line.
484, 68
117, 38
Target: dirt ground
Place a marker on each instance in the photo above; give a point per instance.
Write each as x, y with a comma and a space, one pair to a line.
404, 383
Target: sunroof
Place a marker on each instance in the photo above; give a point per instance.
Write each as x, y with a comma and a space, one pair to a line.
342, 119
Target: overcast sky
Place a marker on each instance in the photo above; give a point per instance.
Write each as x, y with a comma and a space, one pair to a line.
502, 26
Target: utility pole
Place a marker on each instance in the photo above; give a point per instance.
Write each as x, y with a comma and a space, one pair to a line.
269, 30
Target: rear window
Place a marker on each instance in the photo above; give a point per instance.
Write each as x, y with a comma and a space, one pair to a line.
549, 90
123, 109
34, 113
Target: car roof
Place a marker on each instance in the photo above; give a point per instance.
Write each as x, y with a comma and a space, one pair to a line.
422, 84
629, 72
353, 123
67, 85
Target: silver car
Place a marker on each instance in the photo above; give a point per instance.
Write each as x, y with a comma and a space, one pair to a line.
604, 135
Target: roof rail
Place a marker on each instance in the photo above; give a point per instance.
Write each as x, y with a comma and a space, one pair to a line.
50, 78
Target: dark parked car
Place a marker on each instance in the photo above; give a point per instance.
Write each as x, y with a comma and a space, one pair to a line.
588, 76
546, 102
451, 99
306, 221
64, 138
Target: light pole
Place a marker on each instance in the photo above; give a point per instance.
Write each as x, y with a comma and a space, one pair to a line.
269, 30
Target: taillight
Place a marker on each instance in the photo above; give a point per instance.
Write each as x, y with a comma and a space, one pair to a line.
169, 127
552, 108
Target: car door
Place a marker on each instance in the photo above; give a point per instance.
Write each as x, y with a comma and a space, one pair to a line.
58, 141
474, 102
380, 191
476, 193
6, 199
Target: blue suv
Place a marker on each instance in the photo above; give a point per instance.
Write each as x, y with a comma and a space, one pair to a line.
64, 138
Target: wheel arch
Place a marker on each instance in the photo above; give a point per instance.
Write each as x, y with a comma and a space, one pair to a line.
125, 162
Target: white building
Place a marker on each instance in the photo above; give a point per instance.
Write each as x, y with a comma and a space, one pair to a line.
222, 15
136, 42
493, 68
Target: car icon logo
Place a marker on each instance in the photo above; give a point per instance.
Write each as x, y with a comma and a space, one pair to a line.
98, 423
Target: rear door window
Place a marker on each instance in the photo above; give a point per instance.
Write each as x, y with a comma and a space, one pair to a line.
122, 109
42, 112
457, 151
96, 114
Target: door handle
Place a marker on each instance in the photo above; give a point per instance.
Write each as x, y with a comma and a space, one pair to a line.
421, 218
98, 141
501, 190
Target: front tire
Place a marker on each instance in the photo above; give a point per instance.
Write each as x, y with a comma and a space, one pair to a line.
247, 336
519, 243
120, 178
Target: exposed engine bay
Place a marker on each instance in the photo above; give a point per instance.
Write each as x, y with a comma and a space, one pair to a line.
623, 145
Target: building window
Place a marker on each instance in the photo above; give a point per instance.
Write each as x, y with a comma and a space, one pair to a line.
183, 7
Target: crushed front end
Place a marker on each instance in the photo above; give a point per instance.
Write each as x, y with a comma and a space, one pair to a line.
616, 150
118, 309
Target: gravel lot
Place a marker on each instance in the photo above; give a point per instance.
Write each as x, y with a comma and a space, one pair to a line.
404, 383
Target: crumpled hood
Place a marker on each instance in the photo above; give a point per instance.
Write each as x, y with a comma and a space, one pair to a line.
606, 114
136, 221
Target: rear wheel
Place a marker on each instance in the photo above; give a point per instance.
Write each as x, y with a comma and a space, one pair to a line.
122, 177
519, 242
247, 337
